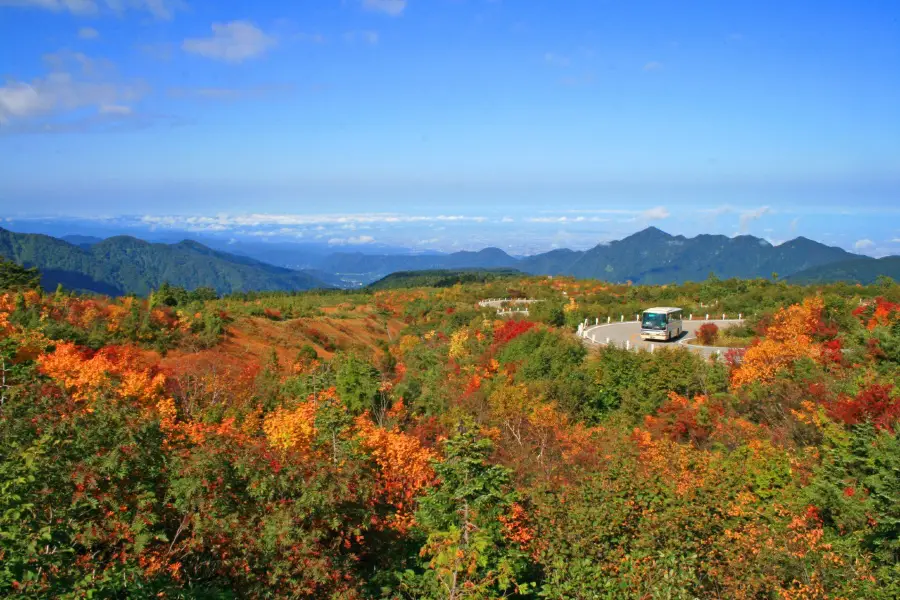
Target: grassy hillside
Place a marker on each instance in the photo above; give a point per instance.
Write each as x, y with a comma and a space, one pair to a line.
438, 278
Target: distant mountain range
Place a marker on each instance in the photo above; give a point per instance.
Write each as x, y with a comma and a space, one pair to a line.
122, 264
650, 256
125, 264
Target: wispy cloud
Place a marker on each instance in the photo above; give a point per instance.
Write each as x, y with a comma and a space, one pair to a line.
313, 38
75, 82
653, 65
352, 241
161, 9
556, 60
159, 51
232, 42
366, 36
566, 219
88, 33
749, 216
223, 93
657, 213
864, 244
394, 8
595, 211
115, 109
268, 220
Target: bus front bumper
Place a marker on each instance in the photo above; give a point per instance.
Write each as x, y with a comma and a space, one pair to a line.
654, 335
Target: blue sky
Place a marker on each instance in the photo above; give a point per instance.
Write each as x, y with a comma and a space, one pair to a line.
451, 124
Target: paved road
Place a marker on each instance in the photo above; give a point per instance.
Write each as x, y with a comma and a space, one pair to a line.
619, 333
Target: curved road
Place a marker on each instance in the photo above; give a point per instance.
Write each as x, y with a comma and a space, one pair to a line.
630, 331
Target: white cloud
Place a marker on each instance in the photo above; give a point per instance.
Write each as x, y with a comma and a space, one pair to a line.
161, 9
115, 109
232, 42
653, 66
507, 220
394, 8
78, 7
794, 223
896, 240
59, 92
864, 244
657, 213
200, 223
748, 216
352, 241
88, 33
367, 37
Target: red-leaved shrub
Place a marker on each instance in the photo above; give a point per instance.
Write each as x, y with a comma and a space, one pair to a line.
708, 334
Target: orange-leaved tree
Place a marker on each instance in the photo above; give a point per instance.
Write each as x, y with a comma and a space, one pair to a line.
404, 468
787, 339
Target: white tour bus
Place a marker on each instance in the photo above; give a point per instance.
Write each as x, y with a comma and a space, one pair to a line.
661, 323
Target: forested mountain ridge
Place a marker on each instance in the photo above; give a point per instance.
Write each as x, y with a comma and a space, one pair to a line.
862, 270
123, 264
650, 256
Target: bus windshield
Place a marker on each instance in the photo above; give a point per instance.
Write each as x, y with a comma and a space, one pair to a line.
653, 321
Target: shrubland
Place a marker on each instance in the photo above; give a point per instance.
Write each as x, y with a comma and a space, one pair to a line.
407, 443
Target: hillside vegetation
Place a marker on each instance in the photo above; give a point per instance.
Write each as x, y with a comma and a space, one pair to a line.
125, 265
441, 278
863, 270
406, 443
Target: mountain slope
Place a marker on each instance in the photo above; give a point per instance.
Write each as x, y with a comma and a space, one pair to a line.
371, 267
652, 256
862, 270
124, 264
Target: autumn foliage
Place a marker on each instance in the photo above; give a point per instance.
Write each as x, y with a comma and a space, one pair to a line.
708, 334
145, 451
788, 338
